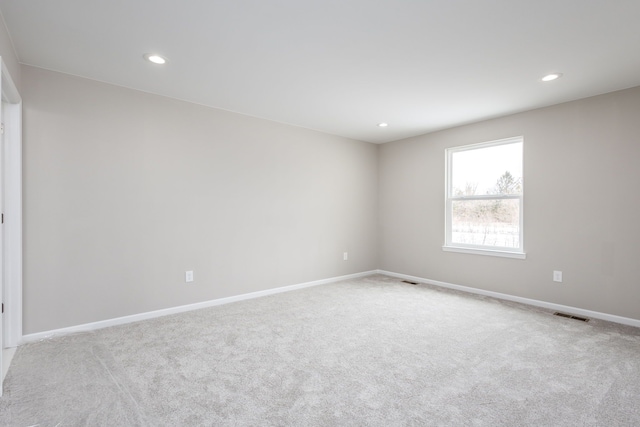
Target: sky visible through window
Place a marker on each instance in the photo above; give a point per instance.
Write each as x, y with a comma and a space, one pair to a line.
493, 173
484, 166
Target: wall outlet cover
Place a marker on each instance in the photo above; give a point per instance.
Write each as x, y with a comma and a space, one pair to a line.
557, 276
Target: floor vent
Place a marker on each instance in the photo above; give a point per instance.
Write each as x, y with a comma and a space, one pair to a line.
571, 316
411, 283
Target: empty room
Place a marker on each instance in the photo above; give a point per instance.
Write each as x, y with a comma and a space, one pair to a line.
320, 213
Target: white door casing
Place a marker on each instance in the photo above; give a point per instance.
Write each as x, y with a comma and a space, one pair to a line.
11, 188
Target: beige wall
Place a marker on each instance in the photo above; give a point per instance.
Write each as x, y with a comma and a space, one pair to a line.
124, 191
581, 206
9, 55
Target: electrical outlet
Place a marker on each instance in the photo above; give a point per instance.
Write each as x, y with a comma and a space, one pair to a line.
557, 276
345, 256
188, 276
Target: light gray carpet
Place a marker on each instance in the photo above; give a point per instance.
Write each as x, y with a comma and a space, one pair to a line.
365, 352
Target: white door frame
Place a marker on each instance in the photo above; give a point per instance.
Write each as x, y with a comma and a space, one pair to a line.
12, 233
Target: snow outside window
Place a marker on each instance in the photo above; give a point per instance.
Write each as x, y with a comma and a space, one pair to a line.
484, 195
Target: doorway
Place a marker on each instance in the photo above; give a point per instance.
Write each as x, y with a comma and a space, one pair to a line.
10, 219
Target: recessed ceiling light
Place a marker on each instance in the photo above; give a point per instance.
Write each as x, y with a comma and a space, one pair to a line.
155, 58
550, 77
383, 125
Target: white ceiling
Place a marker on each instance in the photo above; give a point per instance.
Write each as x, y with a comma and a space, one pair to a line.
342, 66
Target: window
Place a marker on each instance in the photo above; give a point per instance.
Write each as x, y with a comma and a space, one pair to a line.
484, 198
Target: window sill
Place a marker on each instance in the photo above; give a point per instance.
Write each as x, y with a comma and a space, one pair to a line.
504, 254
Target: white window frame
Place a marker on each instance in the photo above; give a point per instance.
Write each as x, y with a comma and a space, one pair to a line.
449, 198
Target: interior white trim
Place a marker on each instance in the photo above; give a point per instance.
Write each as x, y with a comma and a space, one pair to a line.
449, 245
9, 89
504, 254
183, 308
12, 210
528, 301
189, 307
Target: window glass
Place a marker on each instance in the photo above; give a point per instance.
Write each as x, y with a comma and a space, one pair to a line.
484, 197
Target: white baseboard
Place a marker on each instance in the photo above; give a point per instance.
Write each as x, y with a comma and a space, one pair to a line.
507, 297
183, 308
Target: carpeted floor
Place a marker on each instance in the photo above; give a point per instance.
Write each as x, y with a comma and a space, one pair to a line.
366, 352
